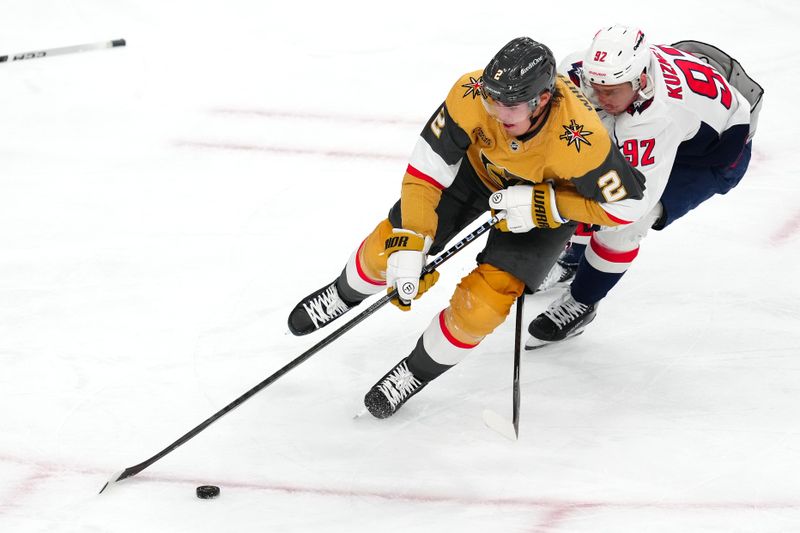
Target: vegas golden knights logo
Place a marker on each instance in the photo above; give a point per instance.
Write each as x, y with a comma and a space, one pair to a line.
500, 177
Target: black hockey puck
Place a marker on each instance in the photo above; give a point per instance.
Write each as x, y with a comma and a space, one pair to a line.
207, 492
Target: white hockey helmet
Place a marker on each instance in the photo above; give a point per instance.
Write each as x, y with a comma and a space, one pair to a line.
618, 54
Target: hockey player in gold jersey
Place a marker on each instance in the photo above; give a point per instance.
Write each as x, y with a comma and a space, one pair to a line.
514, 138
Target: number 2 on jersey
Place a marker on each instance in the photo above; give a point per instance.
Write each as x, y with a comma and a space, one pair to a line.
437, 124
611, 186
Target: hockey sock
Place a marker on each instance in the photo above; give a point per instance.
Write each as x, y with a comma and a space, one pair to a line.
599, 271
349, 295
436, 351
353, 284
591, 285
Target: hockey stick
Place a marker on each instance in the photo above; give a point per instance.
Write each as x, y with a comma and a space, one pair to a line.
47, 52
492, 419
430, 267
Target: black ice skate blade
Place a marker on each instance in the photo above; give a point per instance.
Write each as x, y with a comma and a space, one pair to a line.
549, 343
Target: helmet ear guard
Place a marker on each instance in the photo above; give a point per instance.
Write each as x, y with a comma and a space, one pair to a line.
649, 89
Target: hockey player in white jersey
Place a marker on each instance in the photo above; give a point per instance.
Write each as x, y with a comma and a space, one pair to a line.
683, 115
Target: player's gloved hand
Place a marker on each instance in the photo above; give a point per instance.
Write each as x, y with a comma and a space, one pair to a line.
407, 252
426, 282
526, 207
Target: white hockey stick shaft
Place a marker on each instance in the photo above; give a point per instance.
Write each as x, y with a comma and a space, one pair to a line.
47, 52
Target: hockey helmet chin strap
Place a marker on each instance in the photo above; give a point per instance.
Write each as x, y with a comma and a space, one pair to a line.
649, 89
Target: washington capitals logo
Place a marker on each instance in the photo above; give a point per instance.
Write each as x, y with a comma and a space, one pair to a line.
473, 87
639, 106
575, 72
574, 134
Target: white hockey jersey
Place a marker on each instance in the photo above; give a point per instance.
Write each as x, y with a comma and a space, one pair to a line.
688, 114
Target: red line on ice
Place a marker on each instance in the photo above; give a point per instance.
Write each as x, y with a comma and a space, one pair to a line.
789, 229
25, 486
556, 510
269, 113
288, 151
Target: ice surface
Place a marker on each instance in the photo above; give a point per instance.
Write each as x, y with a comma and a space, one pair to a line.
164, 205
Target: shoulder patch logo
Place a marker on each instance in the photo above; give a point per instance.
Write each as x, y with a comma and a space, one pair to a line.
575, 134
481, 135
473, 87
639, 106
575, 73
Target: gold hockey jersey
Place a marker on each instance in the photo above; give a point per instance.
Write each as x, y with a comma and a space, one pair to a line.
593, 181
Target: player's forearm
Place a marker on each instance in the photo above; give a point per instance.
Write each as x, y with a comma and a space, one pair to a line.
418, 202
573, 206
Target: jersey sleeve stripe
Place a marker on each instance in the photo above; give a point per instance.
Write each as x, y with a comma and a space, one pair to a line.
431, 166
424, 177
618, 220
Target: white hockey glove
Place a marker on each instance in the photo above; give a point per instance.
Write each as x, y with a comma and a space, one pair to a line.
527, 207
407, 252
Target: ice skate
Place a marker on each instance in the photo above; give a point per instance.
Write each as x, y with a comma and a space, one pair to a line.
563, 272
317, 310
560, 275
564, 319
392, 391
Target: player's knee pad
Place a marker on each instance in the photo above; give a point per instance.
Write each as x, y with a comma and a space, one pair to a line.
366, 268
372, 254
481, 302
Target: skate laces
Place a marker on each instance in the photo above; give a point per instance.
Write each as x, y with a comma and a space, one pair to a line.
558, 274
399, 384
565, 310
326, 306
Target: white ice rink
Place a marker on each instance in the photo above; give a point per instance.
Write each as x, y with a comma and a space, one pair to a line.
164, 205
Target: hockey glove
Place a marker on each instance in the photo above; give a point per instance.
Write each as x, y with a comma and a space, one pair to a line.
407, 252
527, 207
426, 282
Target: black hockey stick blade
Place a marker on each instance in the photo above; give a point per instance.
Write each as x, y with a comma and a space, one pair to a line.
430, 267
494, 421
517, 357
117, 477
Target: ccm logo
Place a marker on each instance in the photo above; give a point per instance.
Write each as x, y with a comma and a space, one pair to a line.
29, 55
